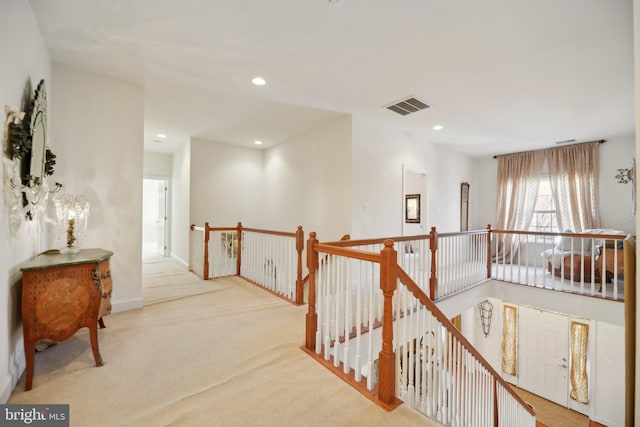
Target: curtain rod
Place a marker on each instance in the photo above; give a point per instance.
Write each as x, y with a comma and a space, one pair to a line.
601, 141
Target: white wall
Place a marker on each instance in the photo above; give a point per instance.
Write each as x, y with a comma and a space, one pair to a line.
487, 189
24, 60
226, 185
486, 345
615, 199
180, 182
157, 164
609, 375
308, 182
379, 153
97, 128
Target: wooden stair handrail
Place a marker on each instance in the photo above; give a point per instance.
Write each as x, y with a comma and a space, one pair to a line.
363, 242
272, 232
576, 235
305, 279
463, 233
350, 253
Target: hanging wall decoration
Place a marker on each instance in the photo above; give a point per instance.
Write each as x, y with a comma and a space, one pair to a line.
578, 373
509, 340
626, 176
27, 160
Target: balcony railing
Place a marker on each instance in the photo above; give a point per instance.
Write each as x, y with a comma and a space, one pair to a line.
590, 264
271, 259
442, 264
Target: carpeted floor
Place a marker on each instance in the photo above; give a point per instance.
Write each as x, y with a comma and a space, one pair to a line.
201, 353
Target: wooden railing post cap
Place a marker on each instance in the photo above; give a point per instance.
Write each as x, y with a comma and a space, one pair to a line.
488, 226
388, 243
433, 229
239, 224
299, 227
312, 235
192, 226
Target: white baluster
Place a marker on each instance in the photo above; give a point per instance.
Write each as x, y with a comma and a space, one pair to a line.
357, 367
347, 313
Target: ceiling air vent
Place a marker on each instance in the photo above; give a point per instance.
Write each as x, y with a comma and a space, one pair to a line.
566, 141
408, 106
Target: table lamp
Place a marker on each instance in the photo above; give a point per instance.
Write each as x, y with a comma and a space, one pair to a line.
73, 213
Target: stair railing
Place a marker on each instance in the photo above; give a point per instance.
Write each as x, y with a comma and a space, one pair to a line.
442, 375
352, 327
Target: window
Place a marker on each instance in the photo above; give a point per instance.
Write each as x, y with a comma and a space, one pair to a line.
544, 213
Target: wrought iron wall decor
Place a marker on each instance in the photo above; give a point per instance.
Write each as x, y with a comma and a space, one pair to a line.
485, 308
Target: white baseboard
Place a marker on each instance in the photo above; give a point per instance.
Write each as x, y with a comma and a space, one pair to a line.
126, 305
605, 422
6, 387
180, 260
17, 365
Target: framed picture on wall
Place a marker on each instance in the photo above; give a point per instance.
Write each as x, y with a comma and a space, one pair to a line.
464, 206
412, 208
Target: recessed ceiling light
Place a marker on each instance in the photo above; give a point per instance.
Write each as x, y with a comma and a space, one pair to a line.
438, 127
258, 81
161, 135
257, 142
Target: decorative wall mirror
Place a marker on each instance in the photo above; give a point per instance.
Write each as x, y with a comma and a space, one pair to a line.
26, 148
464, 206
38, 156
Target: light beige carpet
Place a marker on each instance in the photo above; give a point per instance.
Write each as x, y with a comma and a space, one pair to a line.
228, 356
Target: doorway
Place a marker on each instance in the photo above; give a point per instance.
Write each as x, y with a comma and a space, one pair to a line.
544, 354
414, 183
154, 216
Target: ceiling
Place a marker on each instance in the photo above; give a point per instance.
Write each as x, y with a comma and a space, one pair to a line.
499, 75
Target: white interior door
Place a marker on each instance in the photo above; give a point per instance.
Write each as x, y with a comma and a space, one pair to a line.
544, 354
154, 217
161, 231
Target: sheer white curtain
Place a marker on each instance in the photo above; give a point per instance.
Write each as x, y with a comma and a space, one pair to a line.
574, 174
518, 180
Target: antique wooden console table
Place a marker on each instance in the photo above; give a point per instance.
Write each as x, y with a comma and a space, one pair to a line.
62, 293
